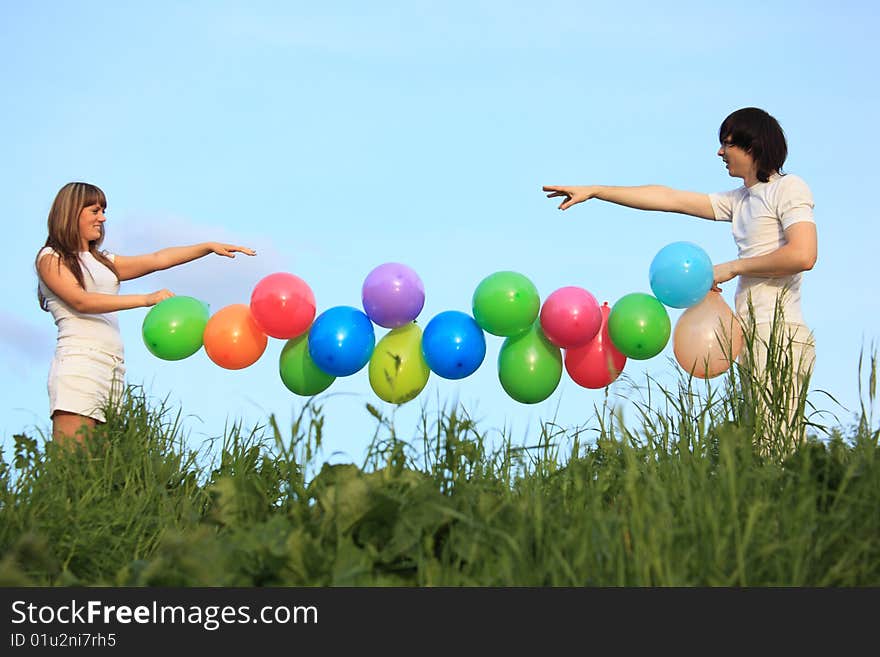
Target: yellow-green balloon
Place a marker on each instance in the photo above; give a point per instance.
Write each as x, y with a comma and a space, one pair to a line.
398, 371
639, 325
506, 303
529, 366
299, 372
174, 328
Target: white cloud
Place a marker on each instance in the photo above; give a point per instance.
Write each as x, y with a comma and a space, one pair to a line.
24, 343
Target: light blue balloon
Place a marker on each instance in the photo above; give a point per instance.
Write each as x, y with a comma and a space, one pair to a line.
681, 274
341, 340
453, 344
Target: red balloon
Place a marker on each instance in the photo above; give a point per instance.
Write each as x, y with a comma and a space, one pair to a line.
597, 363
283, 305
232, 338
570, 317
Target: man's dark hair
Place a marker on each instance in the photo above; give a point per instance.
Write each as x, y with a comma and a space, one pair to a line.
758, 133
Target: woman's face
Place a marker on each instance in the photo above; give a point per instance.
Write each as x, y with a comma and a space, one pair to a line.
738, 161
90, 219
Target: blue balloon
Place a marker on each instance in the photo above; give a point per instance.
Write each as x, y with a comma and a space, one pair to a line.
453, 344
681, 274
341, 340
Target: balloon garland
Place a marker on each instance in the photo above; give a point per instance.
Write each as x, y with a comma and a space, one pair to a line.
569, 331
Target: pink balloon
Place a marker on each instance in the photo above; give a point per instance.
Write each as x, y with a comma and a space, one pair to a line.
283, 305
597, 363
570, 317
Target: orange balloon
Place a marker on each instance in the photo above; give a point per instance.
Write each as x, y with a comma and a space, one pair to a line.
707, 337
233, 339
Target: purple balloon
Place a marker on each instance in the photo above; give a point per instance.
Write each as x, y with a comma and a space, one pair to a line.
393, 295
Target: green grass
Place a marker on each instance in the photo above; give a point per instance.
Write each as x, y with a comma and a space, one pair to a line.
704, 488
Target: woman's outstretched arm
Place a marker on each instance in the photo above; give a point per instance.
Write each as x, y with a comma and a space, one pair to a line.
130, 267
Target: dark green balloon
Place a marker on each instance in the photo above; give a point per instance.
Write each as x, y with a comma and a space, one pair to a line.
529, 366
506, 303
174, 328
639, 326
299, 372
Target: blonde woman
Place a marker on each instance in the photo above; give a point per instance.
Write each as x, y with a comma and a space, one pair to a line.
79, 286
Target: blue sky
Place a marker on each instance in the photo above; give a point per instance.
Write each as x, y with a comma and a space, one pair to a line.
335, 138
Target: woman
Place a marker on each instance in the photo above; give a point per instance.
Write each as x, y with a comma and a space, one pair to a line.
79, 286
773, 227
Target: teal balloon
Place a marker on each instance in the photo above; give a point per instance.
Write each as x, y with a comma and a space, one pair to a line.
506, 303
174, 328
639, 326
299, 373
681, 274
529, 366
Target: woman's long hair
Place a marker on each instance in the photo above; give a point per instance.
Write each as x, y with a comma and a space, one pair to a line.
64, 235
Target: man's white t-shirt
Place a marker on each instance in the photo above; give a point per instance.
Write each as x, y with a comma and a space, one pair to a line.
83, 330
760, 214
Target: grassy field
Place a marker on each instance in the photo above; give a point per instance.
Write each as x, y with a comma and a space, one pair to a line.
709, 487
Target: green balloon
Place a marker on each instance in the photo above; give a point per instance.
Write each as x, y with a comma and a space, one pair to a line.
506, 303
639, 326
174, 328
299, 372
529, 366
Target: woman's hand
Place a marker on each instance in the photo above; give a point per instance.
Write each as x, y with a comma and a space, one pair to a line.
229, 250
156, 297
573, 195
